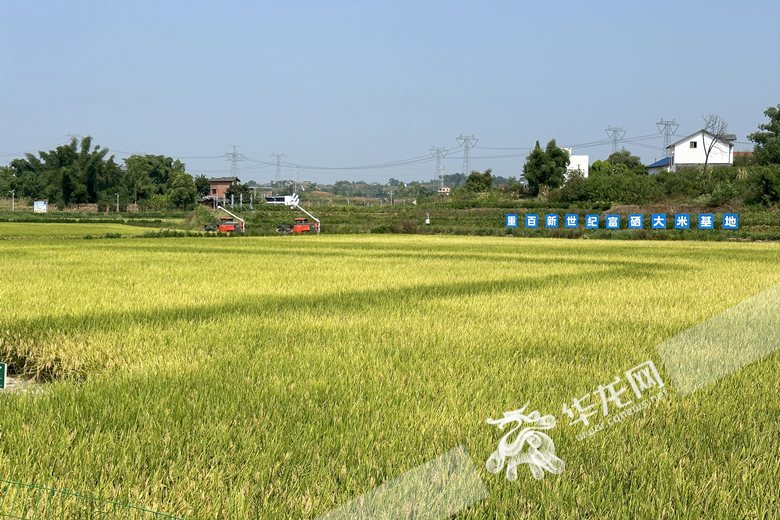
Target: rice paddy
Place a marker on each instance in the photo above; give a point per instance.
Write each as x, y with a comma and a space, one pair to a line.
281, 377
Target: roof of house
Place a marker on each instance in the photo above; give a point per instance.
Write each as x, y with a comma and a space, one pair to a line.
727, 138
224, 179
660, 164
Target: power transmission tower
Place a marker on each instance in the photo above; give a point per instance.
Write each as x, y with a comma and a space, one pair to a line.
465, 142
295, 179
234, 157
280, 158
616, 134
669, 128
439, 153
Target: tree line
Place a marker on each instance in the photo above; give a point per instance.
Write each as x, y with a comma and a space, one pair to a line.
78, 173
623, 179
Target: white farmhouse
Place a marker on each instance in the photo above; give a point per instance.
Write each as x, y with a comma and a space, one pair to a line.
577, 163
690, 152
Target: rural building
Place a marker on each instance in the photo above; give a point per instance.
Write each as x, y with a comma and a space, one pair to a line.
219, 185
444, 190
659, 166
577, 163
690, 151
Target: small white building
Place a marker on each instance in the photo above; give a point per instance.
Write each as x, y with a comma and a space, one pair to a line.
690, 151
659, 166
444, 190
577, 163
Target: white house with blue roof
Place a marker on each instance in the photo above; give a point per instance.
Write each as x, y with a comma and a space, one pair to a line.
659, 166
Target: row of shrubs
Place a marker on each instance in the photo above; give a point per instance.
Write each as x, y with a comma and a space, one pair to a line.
714, 187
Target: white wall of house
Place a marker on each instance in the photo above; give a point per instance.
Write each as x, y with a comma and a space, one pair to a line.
692, 150
578, 162
657, 170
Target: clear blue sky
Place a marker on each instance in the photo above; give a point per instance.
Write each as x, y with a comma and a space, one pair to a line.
353, 83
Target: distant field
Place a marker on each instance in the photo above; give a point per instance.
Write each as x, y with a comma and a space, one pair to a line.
279, 377
45, 229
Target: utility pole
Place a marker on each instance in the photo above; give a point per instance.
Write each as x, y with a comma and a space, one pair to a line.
280, 158
12, 200
234, 157
438, 153
295, 179
616, 134
466, 142
669, 129
117, 202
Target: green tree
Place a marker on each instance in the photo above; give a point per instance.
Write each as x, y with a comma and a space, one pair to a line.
764, 182
182, 192
203, 185
607, 168
159, 202
68, 174
7, 180
158, 168
546, 167
479, 182
767, 147
138, 184
632, 162
236, 190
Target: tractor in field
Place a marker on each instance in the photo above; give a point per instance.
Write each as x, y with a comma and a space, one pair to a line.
301, 225
226, 224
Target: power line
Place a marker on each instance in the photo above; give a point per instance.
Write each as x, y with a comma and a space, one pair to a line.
402, 162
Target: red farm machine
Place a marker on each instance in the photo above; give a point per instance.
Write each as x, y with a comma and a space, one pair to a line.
227, 224
301, 224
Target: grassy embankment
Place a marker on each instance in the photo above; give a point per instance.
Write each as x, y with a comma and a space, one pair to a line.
453, 217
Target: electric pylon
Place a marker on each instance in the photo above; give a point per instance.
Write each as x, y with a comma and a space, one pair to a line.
234, 157
669, 128
616, 134
439, 153
465, 142
280, 157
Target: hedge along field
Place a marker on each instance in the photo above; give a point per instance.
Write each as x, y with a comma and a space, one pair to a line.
280, 377
46, 229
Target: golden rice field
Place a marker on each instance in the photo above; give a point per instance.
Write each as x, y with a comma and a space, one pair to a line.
280, 377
